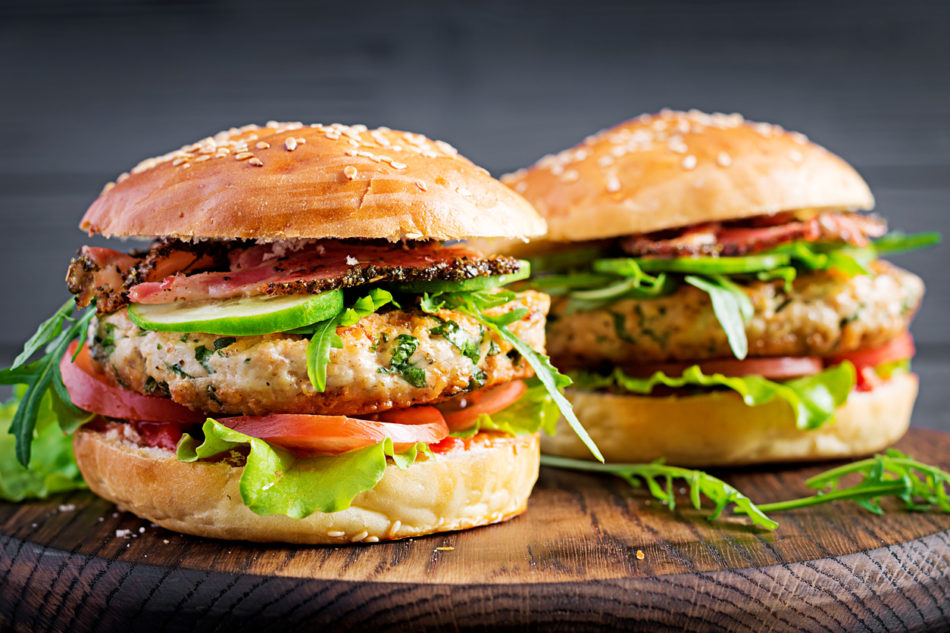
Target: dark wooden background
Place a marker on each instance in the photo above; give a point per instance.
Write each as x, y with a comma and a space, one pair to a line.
89, 88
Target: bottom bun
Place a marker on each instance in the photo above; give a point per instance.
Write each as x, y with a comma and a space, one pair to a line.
485, 483
718, 429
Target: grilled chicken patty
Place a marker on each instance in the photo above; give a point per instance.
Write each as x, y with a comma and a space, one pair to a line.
258, 375
824, 314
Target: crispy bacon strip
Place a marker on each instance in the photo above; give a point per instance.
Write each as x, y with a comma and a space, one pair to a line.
755, 235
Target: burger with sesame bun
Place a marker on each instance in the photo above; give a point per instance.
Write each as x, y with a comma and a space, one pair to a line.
717, 298
295, 354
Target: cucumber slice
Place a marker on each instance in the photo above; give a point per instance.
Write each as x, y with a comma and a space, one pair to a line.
698, 265
241, 316
463, 285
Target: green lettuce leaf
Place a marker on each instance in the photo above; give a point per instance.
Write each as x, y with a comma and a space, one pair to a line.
533, 411
52, 468
812, 398
274, 481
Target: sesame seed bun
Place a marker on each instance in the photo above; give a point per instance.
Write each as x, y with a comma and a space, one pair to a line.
486, 483
674, 169
287, 180
718, 429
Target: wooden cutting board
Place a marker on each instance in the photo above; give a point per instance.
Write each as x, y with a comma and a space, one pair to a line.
590, 553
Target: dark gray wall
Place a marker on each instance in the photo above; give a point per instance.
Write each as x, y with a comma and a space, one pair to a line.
90, 88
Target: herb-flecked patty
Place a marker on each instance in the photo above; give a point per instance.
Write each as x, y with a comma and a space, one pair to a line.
824, 313
388, 360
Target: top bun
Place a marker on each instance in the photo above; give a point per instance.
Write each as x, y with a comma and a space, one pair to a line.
674, 169
288, 180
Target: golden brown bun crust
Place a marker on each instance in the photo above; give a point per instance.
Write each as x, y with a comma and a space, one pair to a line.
718, 429
675, 169
286, 180
487, 483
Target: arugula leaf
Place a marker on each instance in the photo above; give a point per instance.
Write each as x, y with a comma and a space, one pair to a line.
920, 486
45, 333
659, 479
53, 468
325, 336
893, 473
897, 242
813, 399
732, 308
474, 304
42, 375
274, 481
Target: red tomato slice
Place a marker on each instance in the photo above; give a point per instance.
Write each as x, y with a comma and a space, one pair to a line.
900, 348
96, 393
462, 411
336, 434
773, 368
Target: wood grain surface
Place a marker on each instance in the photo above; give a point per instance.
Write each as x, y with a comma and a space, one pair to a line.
590, 553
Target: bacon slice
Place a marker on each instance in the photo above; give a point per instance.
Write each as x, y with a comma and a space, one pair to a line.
99, 272
328, 265
178, 271
757, 234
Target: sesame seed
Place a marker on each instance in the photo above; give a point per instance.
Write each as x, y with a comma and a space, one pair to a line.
795, 155
372, 539
243, 156
613, 184
178, 161
107, 188
359, 537
723, 159
335, 533
522, 186
262, 145
350, 172
290, 143
257, 162
422, 186
186, 165
463, 191
203, 158
395, 527
397, 165
689, 162
352, 261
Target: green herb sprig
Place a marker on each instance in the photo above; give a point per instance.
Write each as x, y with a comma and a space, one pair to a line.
920, 486
43, 375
